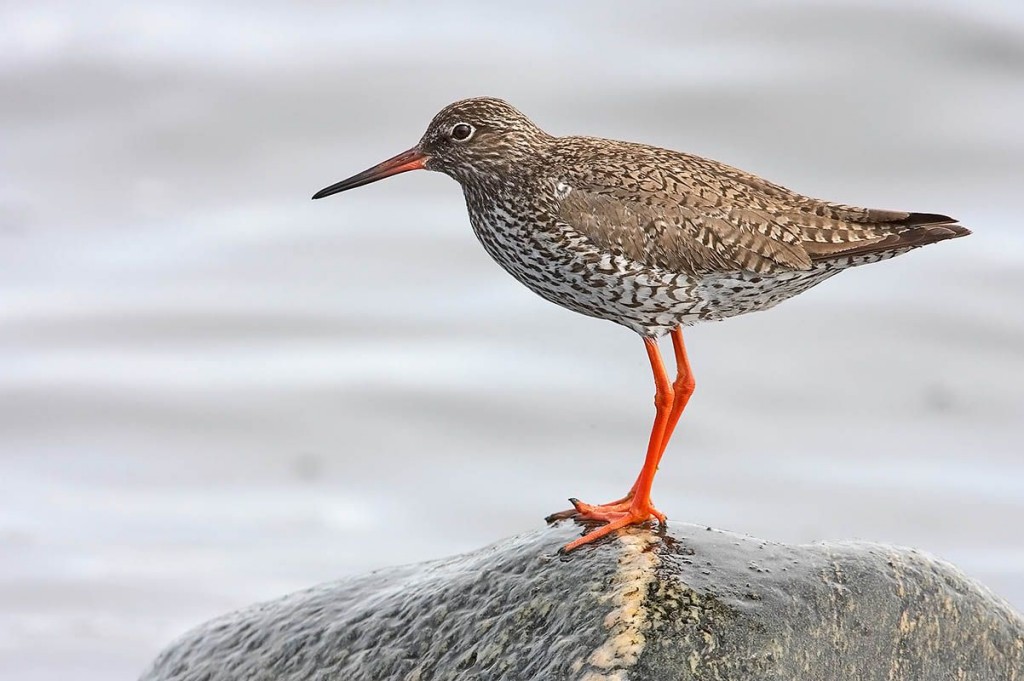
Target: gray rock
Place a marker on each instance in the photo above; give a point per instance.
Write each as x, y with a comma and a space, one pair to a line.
686, 603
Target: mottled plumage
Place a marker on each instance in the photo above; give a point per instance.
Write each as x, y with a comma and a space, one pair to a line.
648, 238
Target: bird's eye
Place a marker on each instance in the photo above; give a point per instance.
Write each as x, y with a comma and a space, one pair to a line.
462, 132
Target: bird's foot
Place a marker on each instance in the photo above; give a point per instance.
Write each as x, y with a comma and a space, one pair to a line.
616, 514
581, 510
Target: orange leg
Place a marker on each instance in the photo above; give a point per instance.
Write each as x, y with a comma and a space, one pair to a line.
683, 386
682, 389
669, 400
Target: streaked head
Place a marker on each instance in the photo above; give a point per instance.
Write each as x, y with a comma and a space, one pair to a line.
472, 138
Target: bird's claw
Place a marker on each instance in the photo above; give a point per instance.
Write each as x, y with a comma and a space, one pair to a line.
581, 510
633, 514
616, 514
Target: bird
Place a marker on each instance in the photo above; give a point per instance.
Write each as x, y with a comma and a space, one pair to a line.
649, 238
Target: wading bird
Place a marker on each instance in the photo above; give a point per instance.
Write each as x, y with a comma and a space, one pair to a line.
649, 238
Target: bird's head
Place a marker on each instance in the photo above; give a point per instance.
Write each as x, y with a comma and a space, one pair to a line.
470, 140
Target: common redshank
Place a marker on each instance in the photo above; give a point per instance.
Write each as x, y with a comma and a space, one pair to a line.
649, 238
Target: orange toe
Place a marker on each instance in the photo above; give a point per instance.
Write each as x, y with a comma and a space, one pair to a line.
602, 512
598, 533
581, 510
634, 514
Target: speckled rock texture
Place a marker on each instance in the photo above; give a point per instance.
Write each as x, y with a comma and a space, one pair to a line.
649, 604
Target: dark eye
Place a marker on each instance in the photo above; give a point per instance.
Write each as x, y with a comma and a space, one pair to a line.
462, 132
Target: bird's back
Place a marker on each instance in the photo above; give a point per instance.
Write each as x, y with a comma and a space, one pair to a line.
693, 215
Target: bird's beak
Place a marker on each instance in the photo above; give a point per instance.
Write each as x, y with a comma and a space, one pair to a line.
413, 159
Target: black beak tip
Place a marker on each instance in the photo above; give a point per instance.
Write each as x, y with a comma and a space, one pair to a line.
413, 159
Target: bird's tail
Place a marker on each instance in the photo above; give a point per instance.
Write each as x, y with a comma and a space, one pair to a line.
910, 231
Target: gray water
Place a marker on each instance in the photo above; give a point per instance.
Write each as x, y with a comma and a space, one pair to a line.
214, 391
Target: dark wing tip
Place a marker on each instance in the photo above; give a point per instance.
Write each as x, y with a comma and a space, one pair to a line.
923, 219
929, 228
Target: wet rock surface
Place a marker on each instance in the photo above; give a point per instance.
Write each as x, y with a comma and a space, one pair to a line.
684, 602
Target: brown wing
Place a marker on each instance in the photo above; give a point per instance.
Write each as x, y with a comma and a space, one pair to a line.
685, 213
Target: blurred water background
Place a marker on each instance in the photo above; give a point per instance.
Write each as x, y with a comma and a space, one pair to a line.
214, 391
